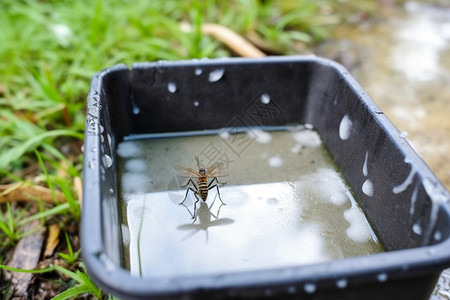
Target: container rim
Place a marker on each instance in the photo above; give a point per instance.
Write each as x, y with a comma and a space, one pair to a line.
118, 280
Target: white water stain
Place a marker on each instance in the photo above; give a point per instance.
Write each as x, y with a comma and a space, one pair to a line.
345, 128
341, 283
307, 138
404, 185
438, 196
172, 87
326, 185
216, 75
364, 170
125, 234
136, 165
224, 134
260, 136
265, 98
382, 277
107, 161
275, 161
367, 187
309, 288
198, 71
413, 201
358, 230
129, 150
417, 229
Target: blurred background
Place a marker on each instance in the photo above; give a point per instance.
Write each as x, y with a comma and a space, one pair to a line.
399, 51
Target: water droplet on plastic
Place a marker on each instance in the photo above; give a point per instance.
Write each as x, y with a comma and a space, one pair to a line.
136, 110
345, 128
125, 235
265, 98
108, 136
172, 87
198, 71
417, 229
367, 188
216, 75
111, 191
309, 288
91, 164
431, 251
82, 148
382, 277
437, 235
196, 103
101, 128
107, 161
335, 100
291, 289
403, 134
365, 171
342, 283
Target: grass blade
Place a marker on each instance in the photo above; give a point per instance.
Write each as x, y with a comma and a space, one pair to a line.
15, 153
72, 292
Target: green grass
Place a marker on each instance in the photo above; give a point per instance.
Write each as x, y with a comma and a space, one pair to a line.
83, 282
50, 49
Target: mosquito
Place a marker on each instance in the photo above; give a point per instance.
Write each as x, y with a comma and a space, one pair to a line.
200, 190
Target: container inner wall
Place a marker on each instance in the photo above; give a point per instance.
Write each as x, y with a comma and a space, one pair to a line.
286, 204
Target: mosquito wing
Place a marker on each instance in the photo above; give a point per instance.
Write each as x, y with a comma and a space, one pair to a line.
186, 172
215, 170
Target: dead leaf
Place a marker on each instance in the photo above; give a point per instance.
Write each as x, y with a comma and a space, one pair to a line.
21, 191
26, 256
62, 170
78, 187
52, 240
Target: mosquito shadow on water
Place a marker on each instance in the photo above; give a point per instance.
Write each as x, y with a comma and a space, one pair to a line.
206, 218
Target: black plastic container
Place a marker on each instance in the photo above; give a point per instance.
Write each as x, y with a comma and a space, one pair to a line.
309, 90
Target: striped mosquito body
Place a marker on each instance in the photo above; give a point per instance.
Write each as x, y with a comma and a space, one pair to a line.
202, 188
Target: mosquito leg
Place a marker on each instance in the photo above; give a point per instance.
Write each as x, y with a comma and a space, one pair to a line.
218, 182
185, 195
218, 192
195, 206
189, 181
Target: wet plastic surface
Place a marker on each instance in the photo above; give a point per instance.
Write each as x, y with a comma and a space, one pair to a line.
406, 205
